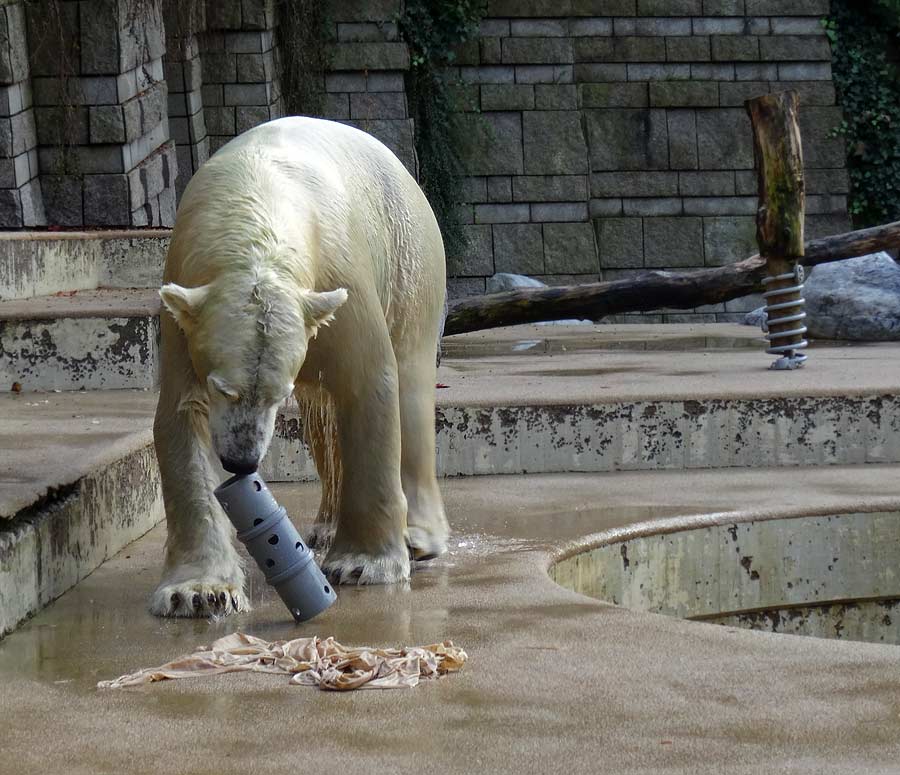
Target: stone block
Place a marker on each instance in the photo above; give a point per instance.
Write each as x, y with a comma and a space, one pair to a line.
179, 130
812, 93
473, 189
822, 204
10, 208
554, 143
362, 10
669, 7
499, 189
369, 56
652, 206
495, 143
13, 44
507, 97
493, 28
720, 205
723, 7
627, 139
365, 32
477, 259
826, 181
734, 94
591, 27
706, 183
490, 51
549, 188
713, 26
673, 242
787, 7
33, 213
145, 111
211, 94
345, 82
792, 25
820, 149
631, 48
462, 287
44, 39
682, 132
802, 71
614, 95
544, 74
662, 25
600, 73
747, 71
253, 68
464, 97
257, 14
218, 68
818, 226
220, 120
8, 173
684, 94
791, 48
688, 49
396, 134
634, 184
224, 15
107, 124
501, 213
15, 98
735, 48
569, 248
62, 199
537, 51
712, 72
559, 212
56, 125
728, 239
247, 117
375, 105
106, 200
247, 94
381, 81
555, 96
620, 242
488, 74
603, 208
24, 133
724, 139
518, 248
660, 72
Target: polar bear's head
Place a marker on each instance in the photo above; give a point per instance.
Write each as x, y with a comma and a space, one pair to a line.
247, 345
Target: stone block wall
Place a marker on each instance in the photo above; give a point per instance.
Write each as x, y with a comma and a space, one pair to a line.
609, 136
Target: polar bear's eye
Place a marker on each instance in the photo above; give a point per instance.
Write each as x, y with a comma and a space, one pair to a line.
222, 387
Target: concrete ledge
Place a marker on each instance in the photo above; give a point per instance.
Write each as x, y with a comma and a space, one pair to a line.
39, 263
47, 549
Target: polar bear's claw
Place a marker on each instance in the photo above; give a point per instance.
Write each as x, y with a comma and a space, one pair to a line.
359, 568
198, 599
319, 535
424, 544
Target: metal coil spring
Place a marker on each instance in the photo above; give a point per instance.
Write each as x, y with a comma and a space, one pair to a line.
790, 359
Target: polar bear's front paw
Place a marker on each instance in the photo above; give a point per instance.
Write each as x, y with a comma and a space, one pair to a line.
198, 598
344, 567
319, 535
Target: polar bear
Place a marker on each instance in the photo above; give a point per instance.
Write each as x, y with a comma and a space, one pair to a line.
304, 259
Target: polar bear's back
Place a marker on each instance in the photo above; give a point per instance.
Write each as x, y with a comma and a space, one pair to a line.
367, 207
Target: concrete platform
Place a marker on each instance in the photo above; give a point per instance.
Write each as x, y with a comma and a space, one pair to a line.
555, 680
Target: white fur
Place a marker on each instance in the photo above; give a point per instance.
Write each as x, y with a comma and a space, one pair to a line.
303, 254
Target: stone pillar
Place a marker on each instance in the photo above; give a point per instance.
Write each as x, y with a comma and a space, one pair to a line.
239, 85
185, 21
21, 203
101, 112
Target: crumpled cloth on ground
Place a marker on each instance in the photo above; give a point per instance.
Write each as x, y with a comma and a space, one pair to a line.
309, 661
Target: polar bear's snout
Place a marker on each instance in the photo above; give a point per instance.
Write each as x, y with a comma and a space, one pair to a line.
241, 434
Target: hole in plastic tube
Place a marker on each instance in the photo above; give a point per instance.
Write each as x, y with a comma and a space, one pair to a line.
273, 539
257, 521
327, 590
257, 486
298, 545
270, 563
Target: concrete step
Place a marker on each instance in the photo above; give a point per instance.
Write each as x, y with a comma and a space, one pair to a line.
40, 263
78, 481
80, 340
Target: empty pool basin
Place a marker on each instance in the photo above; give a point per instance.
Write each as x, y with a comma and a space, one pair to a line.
834, 576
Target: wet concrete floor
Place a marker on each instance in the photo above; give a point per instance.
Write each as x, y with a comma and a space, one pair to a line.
553, 677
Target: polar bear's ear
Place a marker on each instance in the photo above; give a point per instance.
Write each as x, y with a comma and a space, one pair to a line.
183, 303
319, 308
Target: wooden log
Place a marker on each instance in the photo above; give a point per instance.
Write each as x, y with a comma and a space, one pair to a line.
779, 217
651, 290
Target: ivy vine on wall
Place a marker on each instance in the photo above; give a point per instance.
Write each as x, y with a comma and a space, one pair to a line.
868, 88
433, 29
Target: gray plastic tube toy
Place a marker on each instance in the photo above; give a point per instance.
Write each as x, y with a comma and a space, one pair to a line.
264, 528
